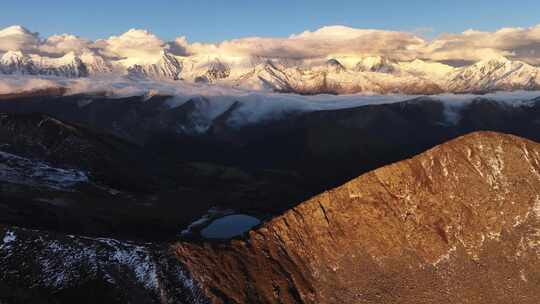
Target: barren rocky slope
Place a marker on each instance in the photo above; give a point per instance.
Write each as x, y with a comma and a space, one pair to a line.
45, 267
106, 157
459, 223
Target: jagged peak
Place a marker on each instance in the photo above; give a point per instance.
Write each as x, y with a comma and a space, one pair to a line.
66, 59
494, 61
273, 64
216, 63
168, 58
376, 64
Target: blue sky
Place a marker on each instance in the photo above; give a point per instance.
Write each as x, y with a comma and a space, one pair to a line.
216, 20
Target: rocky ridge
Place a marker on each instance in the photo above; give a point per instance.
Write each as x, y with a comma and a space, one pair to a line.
458, 223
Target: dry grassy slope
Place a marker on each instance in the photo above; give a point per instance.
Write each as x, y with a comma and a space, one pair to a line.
459, 223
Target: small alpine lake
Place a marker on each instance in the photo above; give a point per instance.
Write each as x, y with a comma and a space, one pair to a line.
229, 226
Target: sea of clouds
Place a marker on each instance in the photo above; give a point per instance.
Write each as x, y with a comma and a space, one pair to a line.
254, 105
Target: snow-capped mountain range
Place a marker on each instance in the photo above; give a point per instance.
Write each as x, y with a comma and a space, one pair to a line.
334, 75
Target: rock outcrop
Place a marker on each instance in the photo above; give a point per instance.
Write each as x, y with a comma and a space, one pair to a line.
459, 223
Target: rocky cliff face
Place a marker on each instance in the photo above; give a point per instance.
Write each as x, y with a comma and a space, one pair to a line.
457, 224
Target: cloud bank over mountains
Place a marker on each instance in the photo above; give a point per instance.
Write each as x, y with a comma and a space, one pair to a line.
330, 60
515, 43
331, 41
18, 38
140, 46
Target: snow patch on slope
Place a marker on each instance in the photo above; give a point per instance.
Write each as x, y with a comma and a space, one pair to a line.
9, 237
20, 170
57, 262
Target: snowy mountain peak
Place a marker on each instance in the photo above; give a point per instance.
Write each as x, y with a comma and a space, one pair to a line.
494, 74
494, 63
95, 63
12, 56
167, 67
68, 58
374, 74
14, 30
426, 69
15, 62
378, 64
218, 70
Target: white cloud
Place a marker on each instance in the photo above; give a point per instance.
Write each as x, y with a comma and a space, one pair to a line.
62, 44
325, 42
18, 38
135, 46
471, 45
140, 46
17, 84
